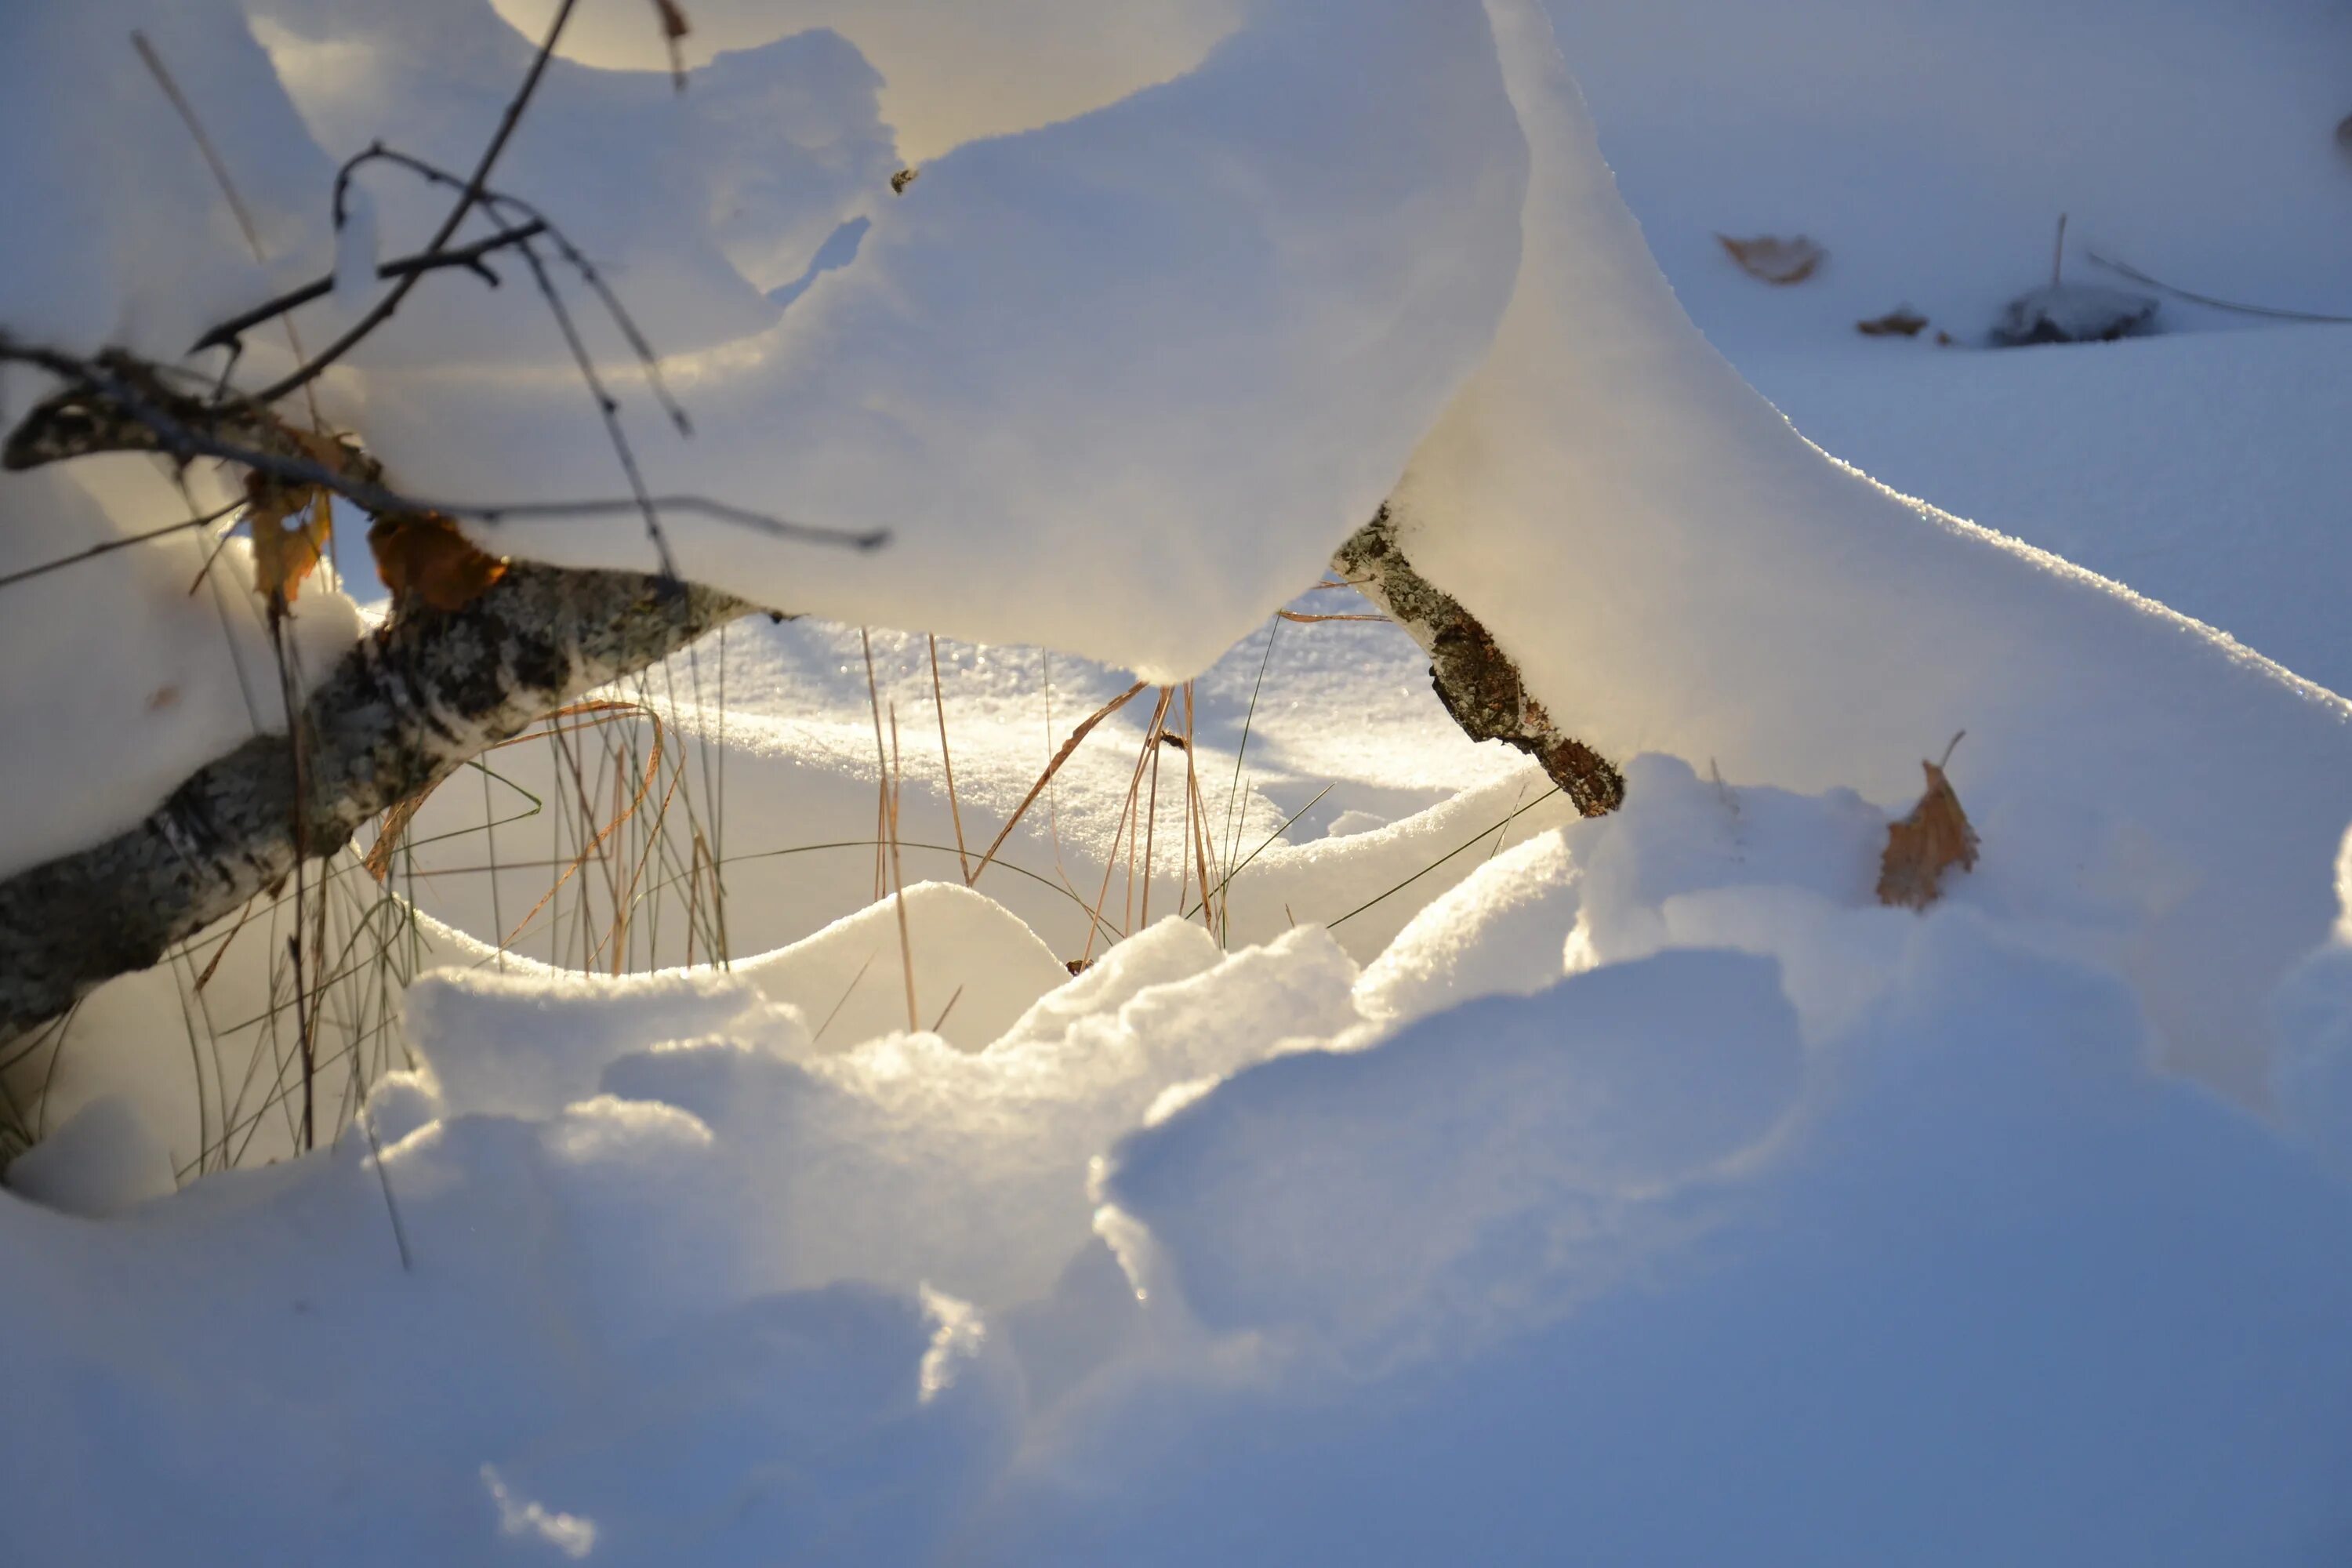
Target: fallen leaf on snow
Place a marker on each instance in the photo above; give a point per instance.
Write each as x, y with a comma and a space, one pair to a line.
1902, 322
1774, 258
1920, 848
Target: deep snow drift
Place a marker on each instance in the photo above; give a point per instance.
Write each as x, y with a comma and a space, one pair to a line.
1479, 1184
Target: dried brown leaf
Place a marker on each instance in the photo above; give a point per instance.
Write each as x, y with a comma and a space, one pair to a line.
1936, 836
291, 525
424, 558
1775, 258
1902, 322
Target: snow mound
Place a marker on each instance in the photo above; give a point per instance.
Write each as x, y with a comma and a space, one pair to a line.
1676, 570
1998, 1293
1873, 1256
979, 967
1117, 385
905, 1160
1465, 1159
125, 239
1502, 928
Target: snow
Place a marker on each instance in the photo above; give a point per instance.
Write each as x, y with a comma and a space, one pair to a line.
184, 672
1300, 248
950, 75
1553, 1252
124, 236
1480, 1182
1760, 605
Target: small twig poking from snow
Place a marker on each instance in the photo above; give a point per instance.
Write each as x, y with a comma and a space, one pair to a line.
846, 991
1196, 813
1126, 829
1233, 832
1225, 882
1151, 801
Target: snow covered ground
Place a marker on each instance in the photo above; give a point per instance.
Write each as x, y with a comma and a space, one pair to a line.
1474, 1184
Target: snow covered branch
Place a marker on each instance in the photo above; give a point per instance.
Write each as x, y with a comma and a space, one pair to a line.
1476, 681
401, 712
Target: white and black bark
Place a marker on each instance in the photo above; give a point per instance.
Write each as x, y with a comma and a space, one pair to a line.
403, 710
1476, 681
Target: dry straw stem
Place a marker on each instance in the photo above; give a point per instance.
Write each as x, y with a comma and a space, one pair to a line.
1126, 829
1053, 767
946, 764
891, 826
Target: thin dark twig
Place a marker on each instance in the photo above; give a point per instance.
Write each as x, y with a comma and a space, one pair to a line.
469, 256
1434, 865
719, 511
2269, 311
111, 545
1226, 881
508, 208
382, 308
187, 113
180, 439
607, 405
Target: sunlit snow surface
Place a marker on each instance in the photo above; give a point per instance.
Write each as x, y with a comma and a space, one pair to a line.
1635, 1190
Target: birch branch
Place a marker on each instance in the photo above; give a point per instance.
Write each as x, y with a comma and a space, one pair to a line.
400, 711
1475, 678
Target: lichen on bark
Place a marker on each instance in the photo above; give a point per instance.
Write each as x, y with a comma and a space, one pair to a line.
1475, 677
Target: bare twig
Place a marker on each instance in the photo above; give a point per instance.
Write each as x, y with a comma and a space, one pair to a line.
382, 310
117, 403
111, 545
510, 208
2269, 312
606, 405
469, 256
